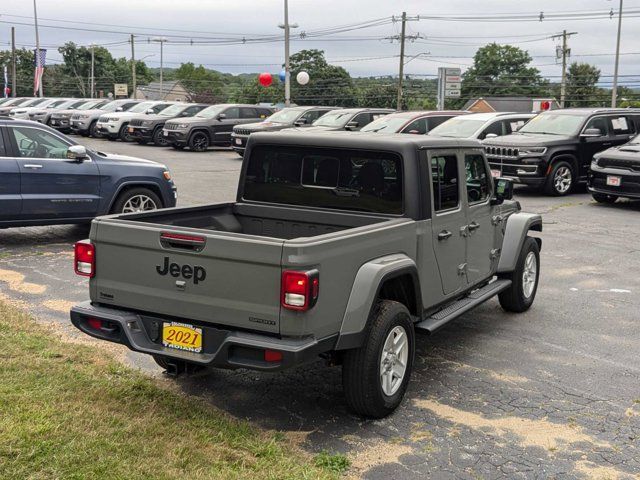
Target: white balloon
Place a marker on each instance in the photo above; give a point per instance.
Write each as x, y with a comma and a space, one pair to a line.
302, 78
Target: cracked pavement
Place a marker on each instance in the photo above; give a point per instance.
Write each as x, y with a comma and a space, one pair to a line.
551, 393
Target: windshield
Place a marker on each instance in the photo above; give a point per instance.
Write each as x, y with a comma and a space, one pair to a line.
172, 110
210, 112
553, 124
386, 124
142, 107
458, 127
286, 115
33, 102
90, 105
333, 119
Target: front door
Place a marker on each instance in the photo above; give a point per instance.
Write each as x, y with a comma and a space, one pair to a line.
53, 186
10, 200
480, 239
449, 220
223, 128
589, 146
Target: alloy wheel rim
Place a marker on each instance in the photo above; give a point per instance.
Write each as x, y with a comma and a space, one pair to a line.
529, 275
562, 179
139, 203
200, 142
393, 361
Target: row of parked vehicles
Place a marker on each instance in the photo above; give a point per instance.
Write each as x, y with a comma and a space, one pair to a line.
553, 151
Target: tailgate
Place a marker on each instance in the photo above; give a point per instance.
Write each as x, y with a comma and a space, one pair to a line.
223, 278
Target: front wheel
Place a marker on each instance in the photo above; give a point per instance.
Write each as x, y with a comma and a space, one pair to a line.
524, 279
561, 179
136, 200
93, 132
199, 142
375, 376
124, 134
604, 198
159, 139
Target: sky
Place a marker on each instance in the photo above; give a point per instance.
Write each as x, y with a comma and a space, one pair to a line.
363, 52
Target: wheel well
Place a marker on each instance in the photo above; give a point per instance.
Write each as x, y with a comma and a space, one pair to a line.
200, 130
402, 289
148, 186
567, 157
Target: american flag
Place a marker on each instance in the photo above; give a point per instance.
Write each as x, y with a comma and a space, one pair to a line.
37, 78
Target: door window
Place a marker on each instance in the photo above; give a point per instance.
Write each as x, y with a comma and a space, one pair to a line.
191, 111
433, 122
36, 143
362, 119
248, 113
418, 127
477, 178
160, 107
621, 125
2, 149
514, 125
233, 112
444, 177
495, 128
312, 116
599, 123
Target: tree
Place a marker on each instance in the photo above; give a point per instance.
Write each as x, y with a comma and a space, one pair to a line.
204, 85
502, 70
582, 89
24, 70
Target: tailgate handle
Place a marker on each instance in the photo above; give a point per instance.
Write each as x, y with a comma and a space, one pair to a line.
180, 241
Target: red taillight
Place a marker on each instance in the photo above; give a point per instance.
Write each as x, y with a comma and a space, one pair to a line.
272, 356
94, 323
299, 289
84, 258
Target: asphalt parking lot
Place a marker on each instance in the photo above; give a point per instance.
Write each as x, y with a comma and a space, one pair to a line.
552, 393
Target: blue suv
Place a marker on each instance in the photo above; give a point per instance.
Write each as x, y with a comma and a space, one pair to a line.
46, 178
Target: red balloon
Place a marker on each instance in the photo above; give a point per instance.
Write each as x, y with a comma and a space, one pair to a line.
265, 79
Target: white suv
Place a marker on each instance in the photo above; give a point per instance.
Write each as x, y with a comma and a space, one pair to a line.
482, 125
115, 125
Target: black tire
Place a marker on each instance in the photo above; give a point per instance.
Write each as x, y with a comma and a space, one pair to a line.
604, 198
123, 134
141, 142
92, 129
124, 197
556, 180
361, 375
514, 299
158, 138
199, 142
177, 147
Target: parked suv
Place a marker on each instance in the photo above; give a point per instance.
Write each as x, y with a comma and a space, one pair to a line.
148, 128
61, 120
351, 119
285, 118
22, 113
482, 125
414, 122
46, 178
211, 126
20, 102
615, 173
44, 115
116, 125
85, 122
554, 150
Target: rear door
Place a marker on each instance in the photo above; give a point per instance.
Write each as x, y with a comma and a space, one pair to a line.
449, 220
622, 129
53, 186
10, 199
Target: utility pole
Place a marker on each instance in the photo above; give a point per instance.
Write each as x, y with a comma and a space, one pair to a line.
287, 67
133, 69
402, 38
38, 59
565, 52
93, 60
162, 40
614, 90
13, 61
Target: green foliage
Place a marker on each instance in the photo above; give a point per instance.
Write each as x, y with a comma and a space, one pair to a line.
337, 463
24, 70
582, 89
204, 85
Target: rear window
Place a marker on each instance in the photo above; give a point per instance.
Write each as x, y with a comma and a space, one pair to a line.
366, 181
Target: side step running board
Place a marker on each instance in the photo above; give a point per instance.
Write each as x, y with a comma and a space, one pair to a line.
457, 308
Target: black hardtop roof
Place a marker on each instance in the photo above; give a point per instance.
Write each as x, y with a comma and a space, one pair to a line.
361, 140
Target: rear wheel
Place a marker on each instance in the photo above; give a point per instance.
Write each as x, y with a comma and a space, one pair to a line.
561, 179
604, 198
524, 279
375, 376
199, 142
136, 200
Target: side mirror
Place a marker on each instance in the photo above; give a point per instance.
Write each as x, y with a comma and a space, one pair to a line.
222, 116
503, 190
77, 152
591, 133
353, 125
150, 111
491, 135
300, 122
119, 109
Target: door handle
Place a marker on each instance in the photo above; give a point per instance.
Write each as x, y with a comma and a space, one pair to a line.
32, 165
606, 144
473, 226
443, 235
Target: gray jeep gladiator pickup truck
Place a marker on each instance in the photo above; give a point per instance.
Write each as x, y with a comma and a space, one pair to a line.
339, 245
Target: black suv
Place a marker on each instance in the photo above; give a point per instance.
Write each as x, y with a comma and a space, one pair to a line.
211, 126
285, 118
615, 173
148, 128
351, 119
553, 150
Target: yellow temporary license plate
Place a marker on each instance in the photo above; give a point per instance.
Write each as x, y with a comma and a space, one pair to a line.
182, 336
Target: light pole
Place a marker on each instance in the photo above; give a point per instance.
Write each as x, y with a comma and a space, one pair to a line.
38, 59
287, 74
614, 90
161, 40
93, 61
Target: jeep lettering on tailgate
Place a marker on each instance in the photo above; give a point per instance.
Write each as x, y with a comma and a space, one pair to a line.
196, 272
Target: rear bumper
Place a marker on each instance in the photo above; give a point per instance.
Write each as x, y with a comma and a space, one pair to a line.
221, 348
